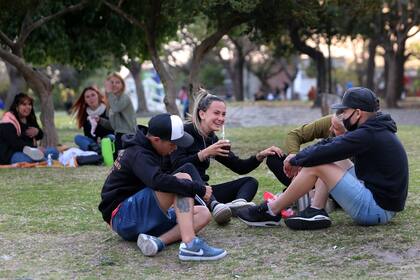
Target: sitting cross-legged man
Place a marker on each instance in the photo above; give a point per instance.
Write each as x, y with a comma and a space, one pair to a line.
371, 191
142, 202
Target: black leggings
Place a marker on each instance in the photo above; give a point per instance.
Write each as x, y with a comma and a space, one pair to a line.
275, 164
245, 188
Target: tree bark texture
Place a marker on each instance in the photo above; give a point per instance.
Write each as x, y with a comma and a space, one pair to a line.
319, 60
41, 85
135, 69
370, 67
17, 84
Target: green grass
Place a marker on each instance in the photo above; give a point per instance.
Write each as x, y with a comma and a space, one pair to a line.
50, 228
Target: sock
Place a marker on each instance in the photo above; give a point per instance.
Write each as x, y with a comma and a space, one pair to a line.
213, 204
313, 207
270, 211
160, 244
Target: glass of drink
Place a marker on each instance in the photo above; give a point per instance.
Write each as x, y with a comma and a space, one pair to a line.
227, 146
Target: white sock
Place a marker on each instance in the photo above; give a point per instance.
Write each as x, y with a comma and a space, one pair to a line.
270, 211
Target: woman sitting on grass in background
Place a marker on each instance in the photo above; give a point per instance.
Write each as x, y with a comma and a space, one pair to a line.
121, 111
208, 117
19, 133
90, 111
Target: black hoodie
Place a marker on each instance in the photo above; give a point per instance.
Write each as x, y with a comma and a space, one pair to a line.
190, 154
138, 167
379, 158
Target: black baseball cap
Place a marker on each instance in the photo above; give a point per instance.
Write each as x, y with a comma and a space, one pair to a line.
358, 98
170, 127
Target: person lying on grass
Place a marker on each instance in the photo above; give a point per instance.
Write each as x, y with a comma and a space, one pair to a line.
371, 191
141, 202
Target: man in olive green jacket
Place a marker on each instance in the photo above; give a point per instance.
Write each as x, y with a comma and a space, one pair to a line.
327, 126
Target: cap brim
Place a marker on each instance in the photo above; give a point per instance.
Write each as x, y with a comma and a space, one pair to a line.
185, 141
338, 106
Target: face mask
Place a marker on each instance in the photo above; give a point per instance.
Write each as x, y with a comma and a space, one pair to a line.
348, 125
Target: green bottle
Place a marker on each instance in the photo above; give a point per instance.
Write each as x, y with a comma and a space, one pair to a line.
108, 149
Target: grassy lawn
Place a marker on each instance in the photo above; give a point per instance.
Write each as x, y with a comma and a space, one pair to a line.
50, 228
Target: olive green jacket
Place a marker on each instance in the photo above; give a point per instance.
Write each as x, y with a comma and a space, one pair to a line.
318, 129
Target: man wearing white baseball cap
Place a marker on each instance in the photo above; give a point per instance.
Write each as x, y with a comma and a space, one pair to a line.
142, 202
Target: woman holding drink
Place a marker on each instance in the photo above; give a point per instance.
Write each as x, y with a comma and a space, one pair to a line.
208, 117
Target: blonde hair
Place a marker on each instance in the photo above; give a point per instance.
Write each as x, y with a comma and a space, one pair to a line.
118, 76
202, 102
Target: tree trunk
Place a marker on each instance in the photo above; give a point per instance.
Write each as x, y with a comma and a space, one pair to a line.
41, 85
198, 54
370, 67
200, 51
400, 61
239, 77
391, 94
135, 69
166, 78
17, 84
319, 59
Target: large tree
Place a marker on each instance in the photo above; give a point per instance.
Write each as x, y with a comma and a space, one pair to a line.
19, 20
159, 21
401, 19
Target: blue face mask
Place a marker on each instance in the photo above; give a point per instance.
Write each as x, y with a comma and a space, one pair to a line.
348, 125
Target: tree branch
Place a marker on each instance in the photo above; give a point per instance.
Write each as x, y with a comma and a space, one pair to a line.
126, 16
26, 30
6, 40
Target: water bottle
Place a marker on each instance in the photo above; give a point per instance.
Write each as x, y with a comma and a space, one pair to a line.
49, 160
108, 149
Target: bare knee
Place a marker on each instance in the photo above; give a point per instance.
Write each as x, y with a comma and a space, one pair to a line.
202, 215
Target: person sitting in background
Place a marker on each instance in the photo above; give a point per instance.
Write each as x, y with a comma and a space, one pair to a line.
183, 97
121, 111
19, 133
90, 112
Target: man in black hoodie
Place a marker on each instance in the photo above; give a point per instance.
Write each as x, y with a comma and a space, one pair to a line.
142, 202
371, 191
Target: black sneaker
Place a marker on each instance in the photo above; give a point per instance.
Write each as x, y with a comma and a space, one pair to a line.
309, 219
258, 216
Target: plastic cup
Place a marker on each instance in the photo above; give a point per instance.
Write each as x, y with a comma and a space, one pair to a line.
227, 146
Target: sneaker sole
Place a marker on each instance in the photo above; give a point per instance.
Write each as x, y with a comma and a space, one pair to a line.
261, 224
34, 154
299, 223
147, 247
222, 217
202, 258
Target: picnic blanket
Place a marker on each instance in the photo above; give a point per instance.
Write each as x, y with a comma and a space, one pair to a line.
55, 163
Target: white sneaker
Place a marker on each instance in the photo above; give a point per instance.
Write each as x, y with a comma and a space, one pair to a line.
34, 153
221, 214
238, 204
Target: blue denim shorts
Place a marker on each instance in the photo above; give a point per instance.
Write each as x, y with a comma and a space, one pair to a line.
141, 213
357, 200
